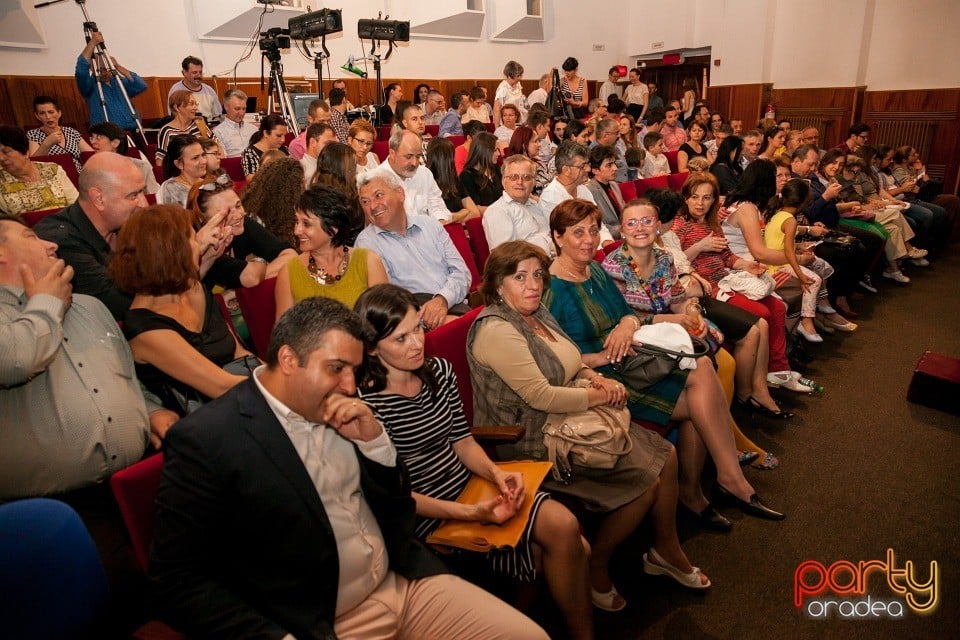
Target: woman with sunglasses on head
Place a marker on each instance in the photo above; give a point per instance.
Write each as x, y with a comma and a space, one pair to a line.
253, 253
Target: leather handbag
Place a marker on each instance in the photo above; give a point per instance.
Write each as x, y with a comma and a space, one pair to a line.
652, 363
595, 438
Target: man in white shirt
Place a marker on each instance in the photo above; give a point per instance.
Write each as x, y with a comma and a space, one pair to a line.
318, 135
204, 94
434, 108
516, 215
422, 195
611, 86
539, 95
291, 464
573, 173
234, 132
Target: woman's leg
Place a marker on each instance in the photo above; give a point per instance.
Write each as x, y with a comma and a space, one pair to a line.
691, 455
614, 529
702, 401
557, 532
664, 517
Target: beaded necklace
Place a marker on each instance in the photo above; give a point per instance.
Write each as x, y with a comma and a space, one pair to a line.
321, 275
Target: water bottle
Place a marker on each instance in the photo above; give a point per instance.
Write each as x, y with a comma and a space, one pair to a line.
814, 386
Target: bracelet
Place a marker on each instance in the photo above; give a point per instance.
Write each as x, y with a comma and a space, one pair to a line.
636, 322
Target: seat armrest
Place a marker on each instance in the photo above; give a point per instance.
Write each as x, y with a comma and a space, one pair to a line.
498, 434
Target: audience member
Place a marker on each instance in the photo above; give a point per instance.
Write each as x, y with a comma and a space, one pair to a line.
608, 134
654, 101
694, 147
349, 548
440, 162
422, 195
340, 83
185, 121
50, 138
690, 97
271, 136
234, 132
26, 185
337, 168
655, 163
417, 253
751, 147
338, 108
253, 253
573, 173
509, 117
326, 265
737, 125
434, 108
452, 124
420, 93
184, 165
603, 187
526, 143
480, 179
476, 108
673, 135
317, 111
205, 96
272, 196
517, 215
727, 168
179, 339
573, 88
857, 135
87, 84
773, 139
610, 86
107, 137
539, 95
416, 400
470, 129
510, 91
392, 94
362, 136
111, 189
66, 379
319, 135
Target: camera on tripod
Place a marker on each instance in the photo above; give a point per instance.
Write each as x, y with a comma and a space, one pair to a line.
272, 40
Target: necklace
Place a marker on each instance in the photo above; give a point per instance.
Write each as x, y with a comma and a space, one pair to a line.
579, 278
321, 275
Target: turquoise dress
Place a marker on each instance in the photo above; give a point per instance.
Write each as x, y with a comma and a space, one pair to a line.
588, 311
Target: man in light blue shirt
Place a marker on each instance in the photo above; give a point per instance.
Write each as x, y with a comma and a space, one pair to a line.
416, 251
452, 123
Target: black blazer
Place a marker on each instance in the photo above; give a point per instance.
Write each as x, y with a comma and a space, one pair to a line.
242, 545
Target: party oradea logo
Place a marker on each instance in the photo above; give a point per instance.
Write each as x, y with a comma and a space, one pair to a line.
868, 589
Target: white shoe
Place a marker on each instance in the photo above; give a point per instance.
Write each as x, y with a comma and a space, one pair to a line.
826, 309
919, 262
787, 380
896, 276
809, 337
840, 324
916, 254
823, 325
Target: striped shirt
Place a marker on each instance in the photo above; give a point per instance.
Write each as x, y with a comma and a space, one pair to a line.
712, 265
423, 430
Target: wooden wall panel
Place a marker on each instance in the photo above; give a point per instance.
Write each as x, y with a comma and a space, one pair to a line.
832, 110
896, 117
738, 102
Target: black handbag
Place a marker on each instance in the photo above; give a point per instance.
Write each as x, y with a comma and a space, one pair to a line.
843, 241
652, 363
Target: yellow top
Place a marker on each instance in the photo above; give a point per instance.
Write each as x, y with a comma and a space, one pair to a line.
346, 290
773, 235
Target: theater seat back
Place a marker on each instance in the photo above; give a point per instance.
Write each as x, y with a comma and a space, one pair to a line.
449, 342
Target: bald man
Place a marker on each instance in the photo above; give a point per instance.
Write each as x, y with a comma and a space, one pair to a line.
111, 190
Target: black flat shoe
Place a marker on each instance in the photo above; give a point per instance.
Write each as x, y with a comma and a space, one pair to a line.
709, 518
753, 406
754, 507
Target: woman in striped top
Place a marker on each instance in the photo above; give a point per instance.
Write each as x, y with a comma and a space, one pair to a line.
417, 401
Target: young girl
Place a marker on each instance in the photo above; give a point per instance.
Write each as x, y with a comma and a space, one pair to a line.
779, 234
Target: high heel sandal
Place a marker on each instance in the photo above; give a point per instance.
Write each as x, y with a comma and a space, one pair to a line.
753, 507
768, 462
663, 568
753, 406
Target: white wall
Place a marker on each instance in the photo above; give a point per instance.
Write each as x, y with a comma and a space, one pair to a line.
162, 32
914, 45
885, 44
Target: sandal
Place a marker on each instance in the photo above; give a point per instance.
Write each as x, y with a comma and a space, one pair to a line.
746, 457
768, 462
610, 601
663, 568
753, 406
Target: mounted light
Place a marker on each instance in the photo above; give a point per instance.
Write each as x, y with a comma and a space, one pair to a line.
388, 30
316, 24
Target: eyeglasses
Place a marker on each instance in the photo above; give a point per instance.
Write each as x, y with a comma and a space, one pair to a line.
580, 167
633, 223
519, 176
363, 143
212, 153
222, 180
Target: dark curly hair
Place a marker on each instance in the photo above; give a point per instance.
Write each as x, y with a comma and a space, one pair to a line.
272, 197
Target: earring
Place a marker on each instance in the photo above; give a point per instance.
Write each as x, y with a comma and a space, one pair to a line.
658, 231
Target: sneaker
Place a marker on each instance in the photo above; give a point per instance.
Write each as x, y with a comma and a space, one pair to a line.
896, 276
919, 262
916, 254
867, 284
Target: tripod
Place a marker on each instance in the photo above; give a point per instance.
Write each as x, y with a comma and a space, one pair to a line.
277, 84
102, 62
318, 58
375, 56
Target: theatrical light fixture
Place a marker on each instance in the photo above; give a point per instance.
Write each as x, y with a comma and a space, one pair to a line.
387, 30
316, 24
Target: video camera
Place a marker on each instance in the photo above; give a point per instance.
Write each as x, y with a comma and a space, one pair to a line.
272, 40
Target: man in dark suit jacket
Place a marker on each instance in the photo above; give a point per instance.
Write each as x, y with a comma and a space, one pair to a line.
283, 513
